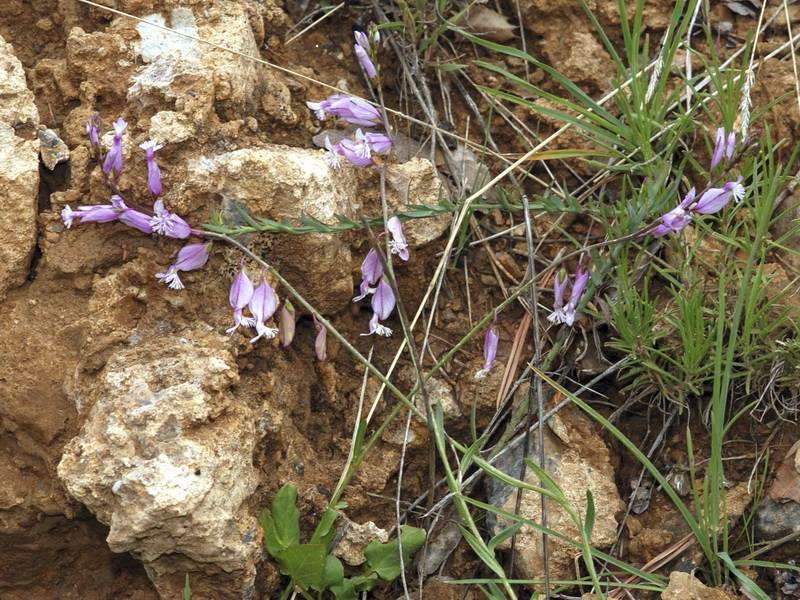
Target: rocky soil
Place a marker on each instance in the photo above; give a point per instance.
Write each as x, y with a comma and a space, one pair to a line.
138, 441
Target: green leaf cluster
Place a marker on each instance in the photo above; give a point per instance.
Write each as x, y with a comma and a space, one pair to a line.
312, 568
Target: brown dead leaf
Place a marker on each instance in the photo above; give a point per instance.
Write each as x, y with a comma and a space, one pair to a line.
488, 24
787, 480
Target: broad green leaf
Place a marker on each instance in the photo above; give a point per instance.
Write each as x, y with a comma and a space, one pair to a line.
282, 525
333, 573
345, 590
305, 563
364, 583
384, 559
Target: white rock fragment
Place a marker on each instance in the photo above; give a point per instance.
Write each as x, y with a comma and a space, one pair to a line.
170, 477
355, 540
19, 171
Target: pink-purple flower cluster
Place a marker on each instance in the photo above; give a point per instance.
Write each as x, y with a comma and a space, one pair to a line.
358, 151
261, 301
373, 279
712, 200
156, 220
366, 49
566, 313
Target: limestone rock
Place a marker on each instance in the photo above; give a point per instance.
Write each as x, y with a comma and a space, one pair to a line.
19, 171
577, 458
685, 585
415, 182
165, 459
355, 540
277, 182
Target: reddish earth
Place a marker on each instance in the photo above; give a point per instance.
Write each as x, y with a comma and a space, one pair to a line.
87, 295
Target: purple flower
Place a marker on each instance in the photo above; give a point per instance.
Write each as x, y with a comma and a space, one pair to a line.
578, 287
398, 244
153, 172
559, 289
678, 218
190, 257
731, 145
354, 152
362, 39
240, 296
367, 143
378, 142
286, 323
105, 213
93, 131
169, 224
263, 305
371, 272
320, 342
567, 314
318, 108
347, 108
362, 53
113, 163
723, 146
332, 155
137, 220
99, 213
490, 344
382, 305
716, 198
351, 110
719, 147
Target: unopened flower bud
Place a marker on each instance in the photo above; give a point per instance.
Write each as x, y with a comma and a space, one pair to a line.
320, 342
286, 323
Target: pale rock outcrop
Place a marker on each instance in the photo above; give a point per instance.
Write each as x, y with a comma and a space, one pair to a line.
280, 182
19, 171
165, 459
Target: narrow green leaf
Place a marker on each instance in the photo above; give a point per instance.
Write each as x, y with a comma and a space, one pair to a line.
450, 66
504, 535
479, 547
590, 514
748, 584
325, 531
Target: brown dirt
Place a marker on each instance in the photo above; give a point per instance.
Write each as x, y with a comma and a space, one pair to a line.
50, 546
